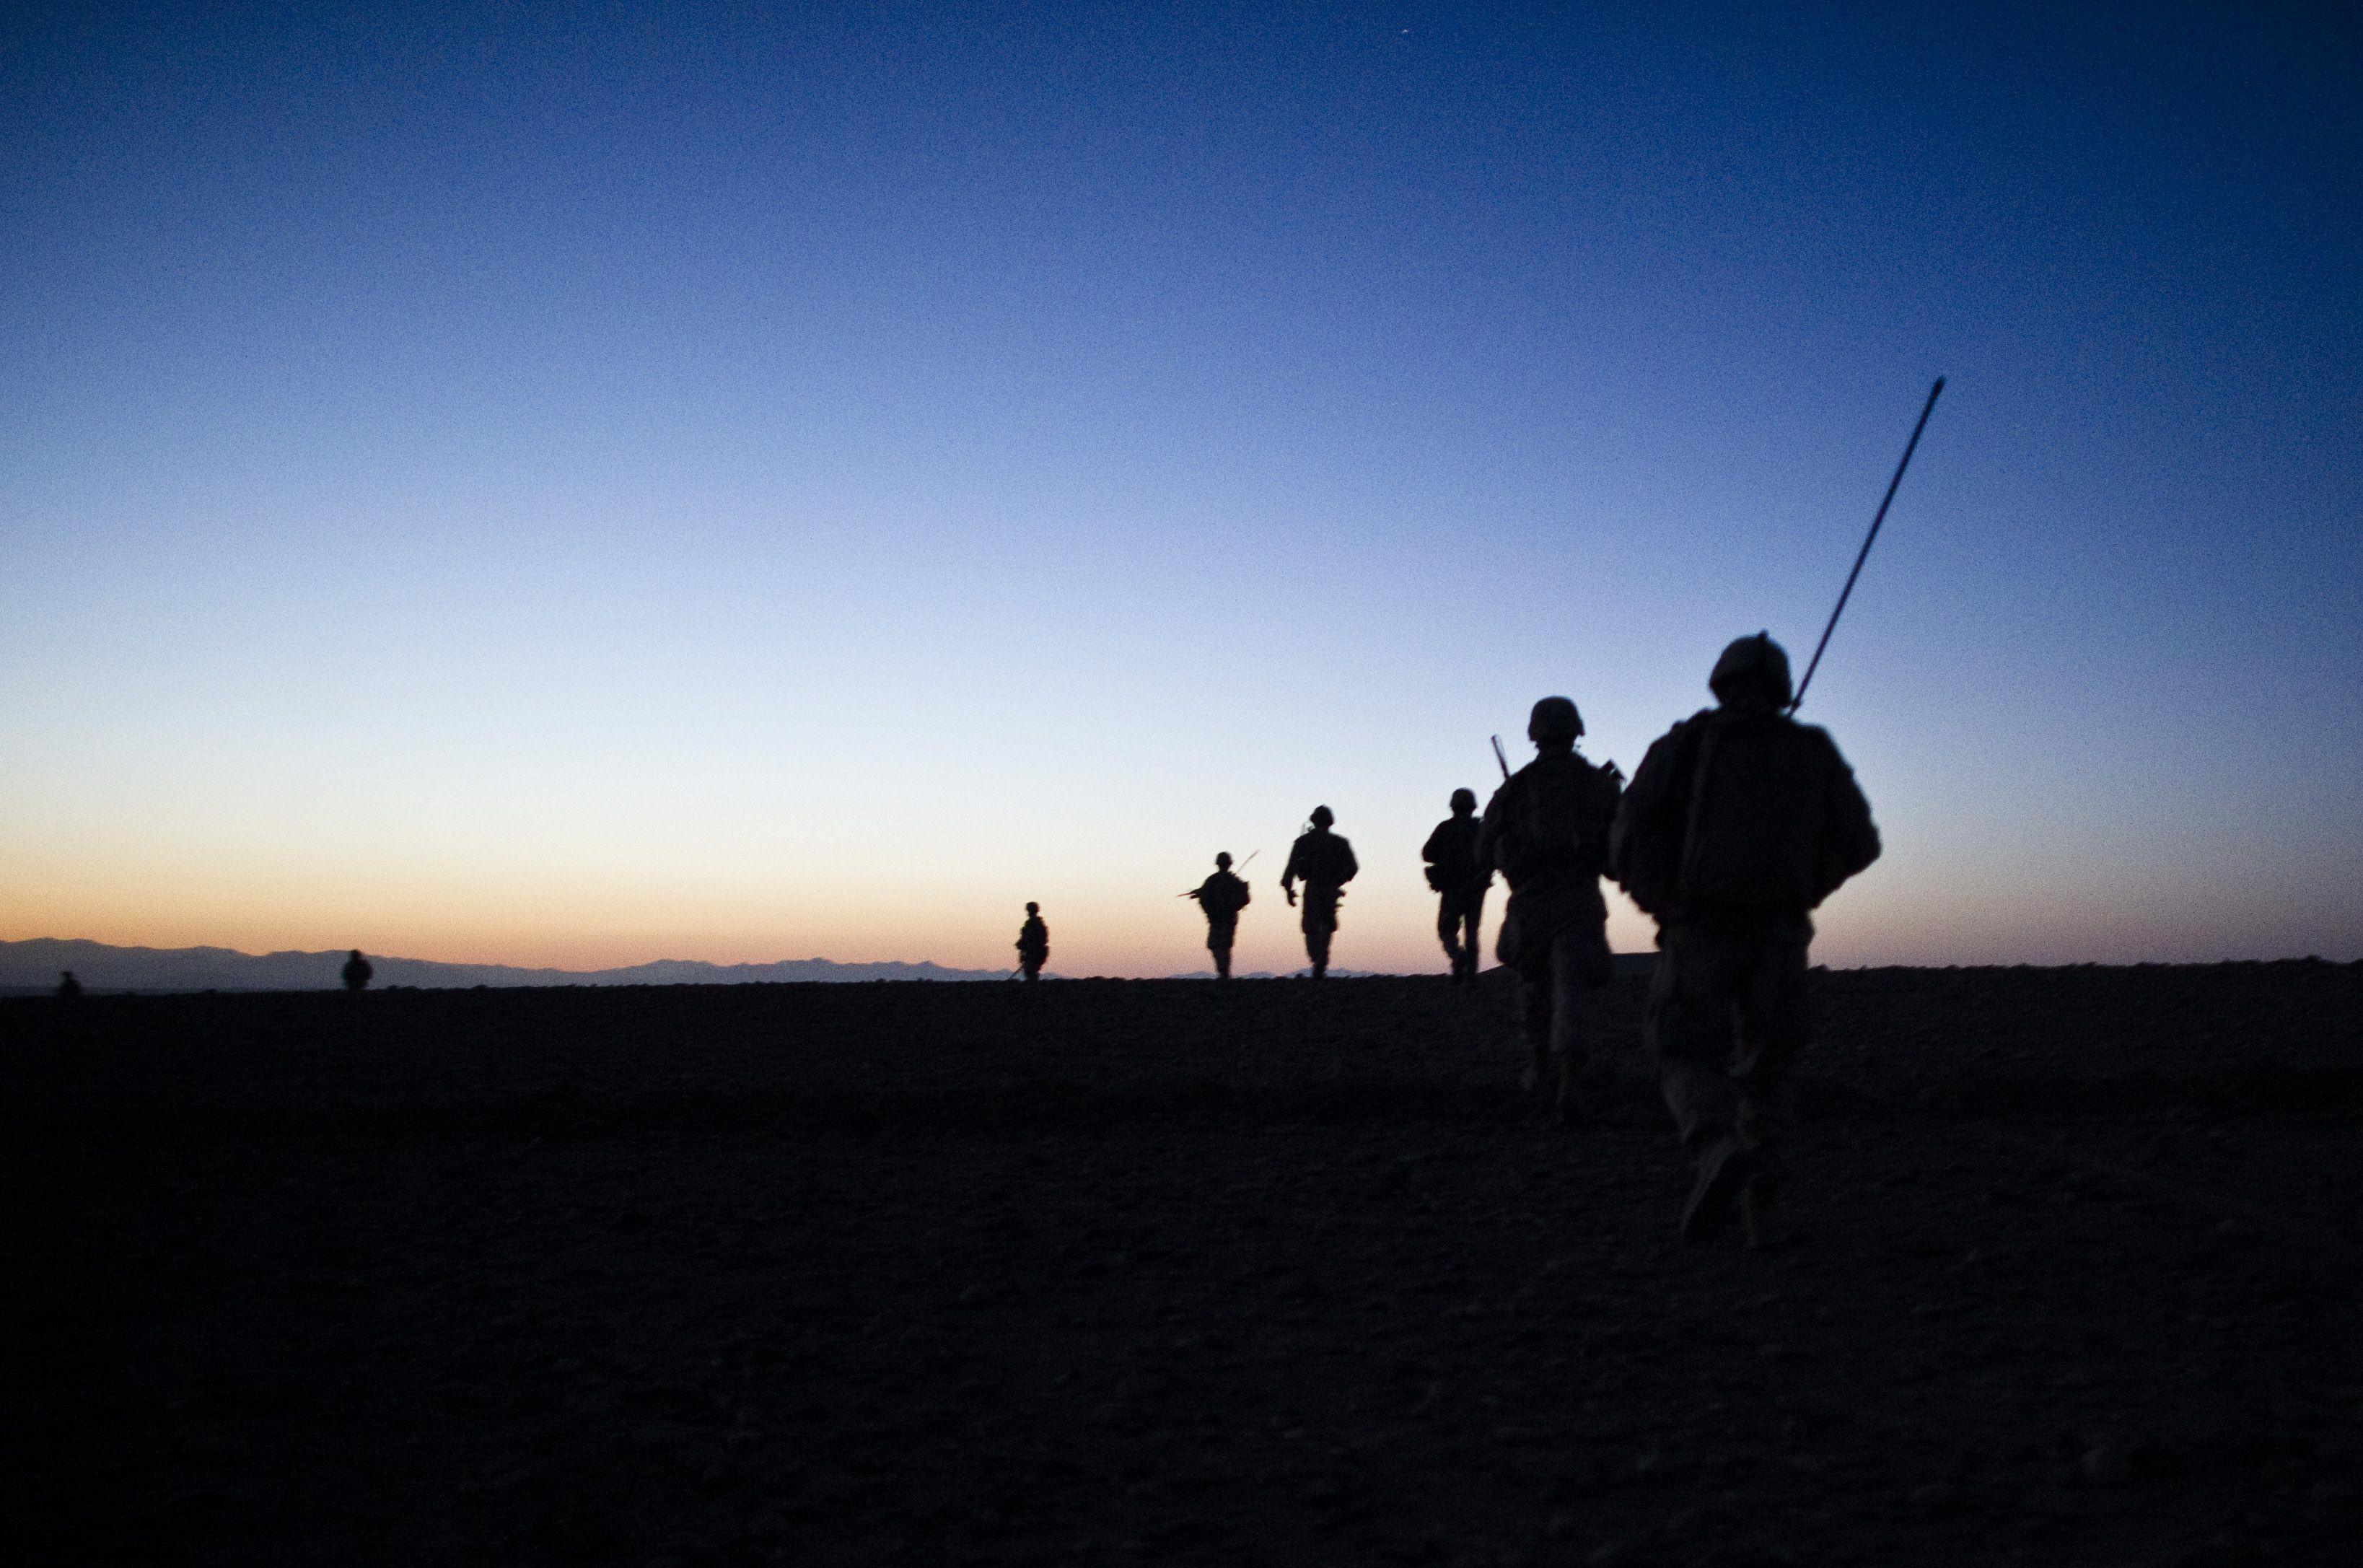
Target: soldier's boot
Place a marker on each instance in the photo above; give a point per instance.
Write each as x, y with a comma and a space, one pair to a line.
1760, 1219
1570, 1105
1723, 1172
1537, 1071
1565, 1099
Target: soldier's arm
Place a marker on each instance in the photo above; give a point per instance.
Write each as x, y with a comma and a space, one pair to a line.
1849, 838
1608, 797
1639, 805
1489, 832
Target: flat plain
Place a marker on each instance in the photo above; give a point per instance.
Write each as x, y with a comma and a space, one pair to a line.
1172, 1271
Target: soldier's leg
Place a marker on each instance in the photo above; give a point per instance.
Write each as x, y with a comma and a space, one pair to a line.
1689, 1028
1447, 927
1316, 949
1535, 998
1775, 1018
1571, 1022
1476, 917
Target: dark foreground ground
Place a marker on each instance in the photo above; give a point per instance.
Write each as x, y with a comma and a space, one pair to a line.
1164, 1272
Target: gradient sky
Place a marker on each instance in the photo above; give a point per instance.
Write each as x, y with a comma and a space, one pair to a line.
584, 486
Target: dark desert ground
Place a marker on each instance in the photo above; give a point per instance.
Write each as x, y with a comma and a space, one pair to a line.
1174, 1271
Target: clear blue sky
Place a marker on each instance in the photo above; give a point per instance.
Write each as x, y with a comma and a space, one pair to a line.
591, 485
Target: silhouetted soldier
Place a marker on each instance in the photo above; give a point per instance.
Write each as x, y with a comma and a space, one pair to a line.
1325, 862
1222, 896
357, 972
1033, 943
1739, 821
1460, 880
1547, 829
67, 986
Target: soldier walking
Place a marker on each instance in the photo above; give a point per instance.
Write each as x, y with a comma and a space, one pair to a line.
1547, 829
1739, 822
1325, 862
1460, 880
1221, 896
1033, 943
357, 972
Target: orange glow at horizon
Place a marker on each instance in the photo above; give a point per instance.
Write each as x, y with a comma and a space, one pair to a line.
579, 922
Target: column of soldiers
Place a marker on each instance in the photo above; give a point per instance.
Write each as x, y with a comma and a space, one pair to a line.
1739, 822
1735, 828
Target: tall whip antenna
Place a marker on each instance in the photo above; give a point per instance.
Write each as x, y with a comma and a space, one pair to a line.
1864, 554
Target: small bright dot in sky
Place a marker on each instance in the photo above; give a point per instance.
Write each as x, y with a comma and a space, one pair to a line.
747, 487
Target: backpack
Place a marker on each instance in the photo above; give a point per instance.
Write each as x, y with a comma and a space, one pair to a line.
1558, 819
1726, 812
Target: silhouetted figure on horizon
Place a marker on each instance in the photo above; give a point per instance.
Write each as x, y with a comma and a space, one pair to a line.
1325, 862
1033, 943
1460, 880
1547, 829
1739, 822
357, 972
67, 986
1222, 896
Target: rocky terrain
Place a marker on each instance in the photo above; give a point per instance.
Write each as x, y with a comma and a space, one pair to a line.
1170, 1271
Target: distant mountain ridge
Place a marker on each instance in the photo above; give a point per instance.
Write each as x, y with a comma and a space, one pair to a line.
34, 965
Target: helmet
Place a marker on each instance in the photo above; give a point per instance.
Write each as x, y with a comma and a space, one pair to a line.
1224, 860
1462, 797
1753, 669
1323, 817
1033, 908
1554, 718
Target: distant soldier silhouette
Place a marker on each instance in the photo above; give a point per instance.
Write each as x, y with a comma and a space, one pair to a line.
1033, 943
1739, 822
1222, 896
1325, 862
1460, 880
357, 972
67, 986
1547, 829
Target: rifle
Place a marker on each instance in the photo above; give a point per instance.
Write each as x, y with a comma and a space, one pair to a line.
1500, 759
1864, 554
